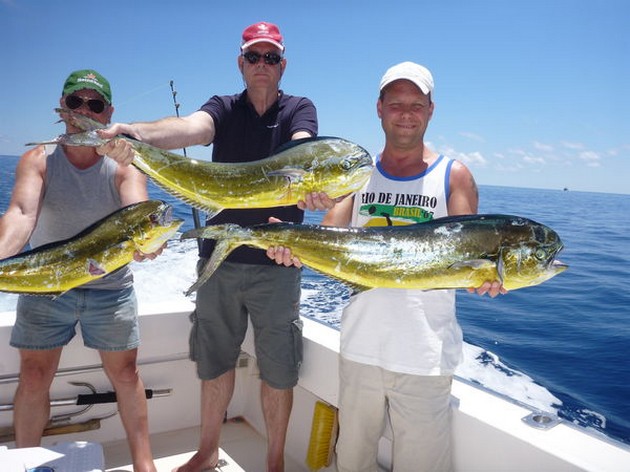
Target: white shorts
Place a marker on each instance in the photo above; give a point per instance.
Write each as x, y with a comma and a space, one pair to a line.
418, 408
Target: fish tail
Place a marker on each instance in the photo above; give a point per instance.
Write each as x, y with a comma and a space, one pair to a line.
228, 236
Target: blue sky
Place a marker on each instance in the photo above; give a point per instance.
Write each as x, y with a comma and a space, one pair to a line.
528, 93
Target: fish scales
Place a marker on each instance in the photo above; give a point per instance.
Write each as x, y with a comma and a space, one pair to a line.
98, 250
452, 252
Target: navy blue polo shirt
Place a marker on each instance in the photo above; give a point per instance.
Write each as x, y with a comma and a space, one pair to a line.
242, 136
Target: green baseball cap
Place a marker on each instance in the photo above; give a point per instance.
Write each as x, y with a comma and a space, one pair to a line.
88, 79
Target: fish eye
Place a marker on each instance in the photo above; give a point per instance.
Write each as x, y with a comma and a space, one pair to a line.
540, 254
348, 163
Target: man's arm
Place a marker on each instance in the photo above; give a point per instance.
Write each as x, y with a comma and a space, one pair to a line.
18, 222
132, 185
301, 135
341, 214
464, 200
464, 196
167, 133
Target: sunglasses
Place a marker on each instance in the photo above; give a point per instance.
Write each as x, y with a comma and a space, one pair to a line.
270, 58
94, 104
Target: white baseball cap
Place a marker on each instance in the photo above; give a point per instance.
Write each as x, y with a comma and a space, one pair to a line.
419, 75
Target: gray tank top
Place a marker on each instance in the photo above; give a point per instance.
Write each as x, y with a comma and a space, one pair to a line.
73, 200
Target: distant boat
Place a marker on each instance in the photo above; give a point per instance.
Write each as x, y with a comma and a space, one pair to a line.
566, 189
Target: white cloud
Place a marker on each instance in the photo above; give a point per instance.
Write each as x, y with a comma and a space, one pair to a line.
543, 147
513, 167
592, 158
473, 136
518, 152
575, 146
534, 159
469, 158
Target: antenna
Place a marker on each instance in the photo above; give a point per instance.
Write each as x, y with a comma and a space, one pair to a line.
195, 212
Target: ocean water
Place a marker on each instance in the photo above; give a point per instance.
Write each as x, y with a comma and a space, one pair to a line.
560, 347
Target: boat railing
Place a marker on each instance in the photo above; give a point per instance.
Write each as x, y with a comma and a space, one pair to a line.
64, 372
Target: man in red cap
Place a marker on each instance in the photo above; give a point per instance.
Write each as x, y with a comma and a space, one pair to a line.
243, 127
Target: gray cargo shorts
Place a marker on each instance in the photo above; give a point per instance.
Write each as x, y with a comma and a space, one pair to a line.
270, 296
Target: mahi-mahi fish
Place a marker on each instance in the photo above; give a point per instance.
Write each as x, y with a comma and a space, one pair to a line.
445, 253
103, 247
325, 164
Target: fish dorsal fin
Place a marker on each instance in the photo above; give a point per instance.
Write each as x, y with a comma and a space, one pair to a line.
297, 142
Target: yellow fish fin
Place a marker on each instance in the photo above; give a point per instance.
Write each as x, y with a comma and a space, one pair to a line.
475, 264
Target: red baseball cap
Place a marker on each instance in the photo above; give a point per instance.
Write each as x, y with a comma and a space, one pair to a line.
262, 32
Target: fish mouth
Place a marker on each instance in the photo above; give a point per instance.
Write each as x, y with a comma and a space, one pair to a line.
558, 265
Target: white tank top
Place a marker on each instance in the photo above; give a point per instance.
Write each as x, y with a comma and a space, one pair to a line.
408, 331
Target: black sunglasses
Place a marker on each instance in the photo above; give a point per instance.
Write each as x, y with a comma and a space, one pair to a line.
270, 58
94, 104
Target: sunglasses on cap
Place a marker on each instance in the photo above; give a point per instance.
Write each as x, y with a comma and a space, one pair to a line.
94, 104
270, 58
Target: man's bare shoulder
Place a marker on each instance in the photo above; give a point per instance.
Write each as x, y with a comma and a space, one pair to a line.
34, 159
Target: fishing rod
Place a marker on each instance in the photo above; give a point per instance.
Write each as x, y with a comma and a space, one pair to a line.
63, 423
195, 212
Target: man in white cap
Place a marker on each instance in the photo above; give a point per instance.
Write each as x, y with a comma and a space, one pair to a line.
399, 347
244, 127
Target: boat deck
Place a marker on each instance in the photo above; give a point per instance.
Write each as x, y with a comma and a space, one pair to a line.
242, 449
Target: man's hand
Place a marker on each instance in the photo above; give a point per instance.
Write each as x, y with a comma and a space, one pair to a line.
282, 255
140, 256
120, 150
318, 201
491, 288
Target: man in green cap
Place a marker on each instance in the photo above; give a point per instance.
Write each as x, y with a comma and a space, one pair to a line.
88, 79
59, 191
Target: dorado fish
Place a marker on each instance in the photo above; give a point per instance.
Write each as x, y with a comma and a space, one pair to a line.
325, 164
98, 250
445, 253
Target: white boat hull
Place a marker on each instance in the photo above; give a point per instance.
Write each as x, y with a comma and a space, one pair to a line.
489, 431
